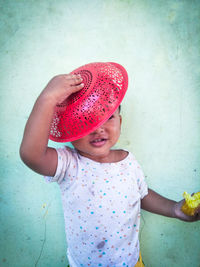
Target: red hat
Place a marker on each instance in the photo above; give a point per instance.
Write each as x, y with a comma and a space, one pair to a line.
105, 85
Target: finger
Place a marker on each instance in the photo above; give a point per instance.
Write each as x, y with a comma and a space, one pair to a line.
183, 216
67, 76
197, 212
72, 79
75, 80
187, 218
78, 87
196, 217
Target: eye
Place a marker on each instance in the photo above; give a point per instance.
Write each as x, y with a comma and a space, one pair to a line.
111, 117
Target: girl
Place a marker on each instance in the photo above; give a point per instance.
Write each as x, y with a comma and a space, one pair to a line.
103, 189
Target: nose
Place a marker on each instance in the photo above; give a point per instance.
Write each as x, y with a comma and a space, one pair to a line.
99, 130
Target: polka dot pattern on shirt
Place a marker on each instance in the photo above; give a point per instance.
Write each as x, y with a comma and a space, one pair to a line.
101, 203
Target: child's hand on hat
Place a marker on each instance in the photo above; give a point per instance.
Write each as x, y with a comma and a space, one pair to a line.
61, 87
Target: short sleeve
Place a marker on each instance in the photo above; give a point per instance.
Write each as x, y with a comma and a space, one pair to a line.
64, 158
142, 185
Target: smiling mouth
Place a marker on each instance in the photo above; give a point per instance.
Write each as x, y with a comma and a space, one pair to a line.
98, 142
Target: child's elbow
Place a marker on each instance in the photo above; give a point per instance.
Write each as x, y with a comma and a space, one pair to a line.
25, 156
30, 160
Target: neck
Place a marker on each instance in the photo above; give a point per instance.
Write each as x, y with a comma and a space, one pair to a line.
111, 157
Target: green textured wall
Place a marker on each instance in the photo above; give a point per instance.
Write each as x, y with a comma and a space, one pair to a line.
159, 44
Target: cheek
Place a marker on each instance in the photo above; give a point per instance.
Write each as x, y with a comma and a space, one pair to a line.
116, 131
118, 127
78, 143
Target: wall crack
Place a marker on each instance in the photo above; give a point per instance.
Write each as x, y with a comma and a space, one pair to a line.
42, 247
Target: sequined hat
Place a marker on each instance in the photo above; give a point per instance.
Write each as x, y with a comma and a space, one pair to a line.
105, 85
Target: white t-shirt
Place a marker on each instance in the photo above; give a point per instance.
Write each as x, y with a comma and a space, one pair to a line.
101, 203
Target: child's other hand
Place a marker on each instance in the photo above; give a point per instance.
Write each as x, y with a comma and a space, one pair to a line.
182, 216
61, 87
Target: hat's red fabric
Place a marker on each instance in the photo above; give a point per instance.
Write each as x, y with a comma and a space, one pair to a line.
105, 85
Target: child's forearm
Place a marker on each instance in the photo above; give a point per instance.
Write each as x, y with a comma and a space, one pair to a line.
155, 203
34, 143
34, 151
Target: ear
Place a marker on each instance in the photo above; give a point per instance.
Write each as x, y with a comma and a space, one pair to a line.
120, 117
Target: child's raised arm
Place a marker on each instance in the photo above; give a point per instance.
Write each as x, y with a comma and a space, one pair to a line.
34, 150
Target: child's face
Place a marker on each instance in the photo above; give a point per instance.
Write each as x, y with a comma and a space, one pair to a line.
97, 144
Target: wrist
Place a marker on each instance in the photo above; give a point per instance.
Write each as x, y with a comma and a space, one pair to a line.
47, 99
175, 210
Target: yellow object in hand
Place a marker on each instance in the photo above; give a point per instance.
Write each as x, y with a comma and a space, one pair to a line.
192, 203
